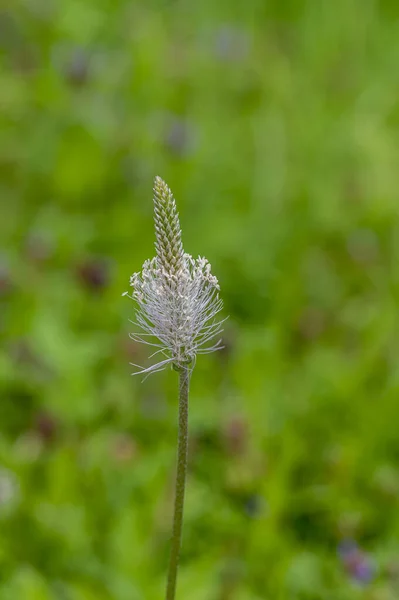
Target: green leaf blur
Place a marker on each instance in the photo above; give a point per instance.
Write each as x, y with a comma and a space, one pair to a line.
276, 125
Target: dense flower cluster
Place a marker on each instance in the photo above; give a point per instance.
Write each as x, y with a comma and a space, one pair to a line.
177, 295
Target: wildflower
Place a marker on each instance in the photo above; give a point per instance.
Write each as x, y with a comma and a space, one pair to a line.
232, 44
356, 562
94, 273
176, 295
177, 299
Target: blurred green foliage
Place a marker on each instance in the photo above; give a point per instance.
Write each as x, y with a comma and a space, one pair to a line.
276, 125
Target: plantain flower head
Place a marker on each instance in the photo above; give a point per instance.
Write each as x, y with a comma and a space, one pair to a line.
177, 297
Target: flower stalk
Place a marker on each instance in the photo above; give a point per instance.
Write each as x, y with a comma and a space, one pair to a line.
182, 449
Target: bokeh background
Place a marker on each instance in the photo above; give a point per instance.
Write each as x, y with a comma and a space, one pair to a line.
276, 124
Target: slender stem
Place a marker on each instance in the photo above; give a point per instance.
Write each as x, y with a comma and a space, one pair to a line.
184, 380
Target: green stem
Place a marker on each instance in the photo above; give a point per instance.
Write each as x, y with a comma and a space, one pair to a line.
184, 379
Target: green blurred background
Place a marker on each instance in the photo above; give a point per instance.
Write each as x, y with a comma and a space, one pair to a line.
276, 124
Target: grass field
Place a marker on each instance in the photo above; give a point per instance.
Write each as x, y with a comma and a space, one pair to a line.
276, 124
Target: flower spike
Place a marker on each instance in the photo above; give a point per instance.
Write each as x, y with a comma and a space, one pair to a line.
176, 295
